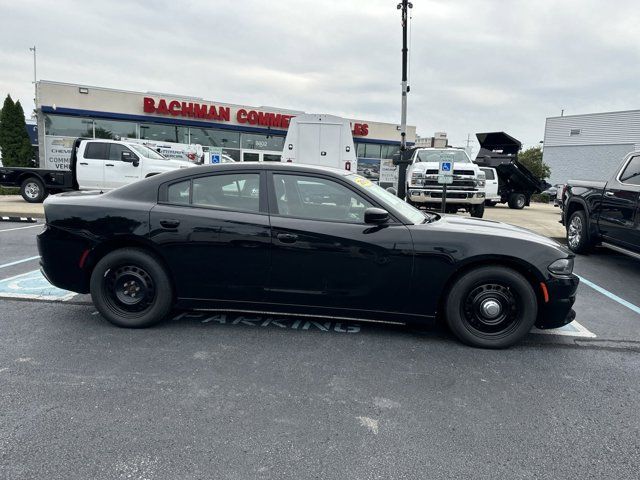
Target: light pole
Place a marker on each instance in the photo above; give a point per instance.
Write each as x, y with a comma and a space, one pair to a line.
404, 6
35, 92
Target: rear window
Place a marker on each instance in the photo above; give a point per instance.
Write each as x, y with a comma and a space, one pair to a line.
96, 151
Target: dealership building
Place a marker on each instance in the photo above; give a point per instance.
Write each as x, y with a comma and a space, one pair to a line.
590, 146
245, 133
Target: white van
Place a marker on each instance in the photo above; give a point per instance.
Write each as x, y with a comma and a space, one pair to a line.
318, 139
192, 152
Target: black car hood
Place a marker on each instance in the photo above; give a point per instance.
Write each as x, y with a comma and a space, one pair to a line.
488, 228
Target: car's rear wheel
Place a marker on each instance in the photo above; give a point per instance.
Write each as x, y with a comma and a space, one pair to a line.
517, 201
130, 288
491, 307
578, 233
33, 190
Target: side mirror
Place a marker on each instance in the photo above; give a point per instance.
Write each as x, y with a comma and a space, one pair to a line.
129, 158
376, 216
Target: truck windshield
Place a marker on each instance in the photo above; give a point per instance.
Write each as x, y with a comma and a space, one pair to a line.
147, 152
456, 156
414, 215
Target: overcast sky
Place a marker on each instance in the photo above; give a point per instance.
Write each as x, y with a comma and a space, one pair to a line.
480, 65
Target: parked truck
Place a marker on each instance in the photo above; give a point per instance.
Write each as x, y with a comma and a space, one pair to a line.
605, 213
516, 184
95, 165
319, 139
465, 193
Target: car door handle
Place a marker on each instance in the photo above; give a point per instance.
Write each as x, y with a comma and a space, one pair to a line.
169, 223
609, 193
84, 163
287, 237
109, 165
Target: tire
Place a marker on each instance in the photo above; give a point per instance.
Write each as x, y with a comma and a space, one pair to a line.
115, 297
489, 203
477, 211
33, 190
517, 201
475, 319
578, 239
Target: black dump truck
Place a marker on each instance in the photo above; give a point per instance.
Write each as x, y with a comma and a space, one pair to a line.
516, 184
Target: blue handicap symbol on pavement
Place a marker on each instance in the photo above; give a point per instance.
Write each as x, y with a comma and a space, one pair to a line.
32, 285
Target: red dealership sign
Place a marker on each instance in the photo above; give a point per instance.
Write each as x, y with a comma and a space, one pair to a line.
220, 113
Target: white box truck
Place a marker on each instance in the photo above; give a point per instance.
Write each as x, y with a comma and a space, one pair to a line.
319, 139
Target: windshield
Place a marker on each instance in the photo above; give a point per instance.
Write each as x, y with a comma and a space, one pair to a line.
147, 152
457, 156
388, 198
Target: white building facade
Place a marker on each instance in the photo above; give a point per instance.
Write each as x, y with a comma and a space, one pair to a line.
590, 146
245, 133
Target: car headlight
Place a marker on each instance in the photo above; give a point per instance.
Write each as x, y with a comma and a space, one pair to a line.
564, 266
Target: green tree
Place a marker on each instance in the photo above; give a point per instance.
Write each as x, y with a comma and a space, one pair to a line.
14, 139
532, 159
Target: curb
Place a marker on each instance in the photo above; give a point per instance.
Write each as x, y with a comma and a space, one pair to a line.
4, 218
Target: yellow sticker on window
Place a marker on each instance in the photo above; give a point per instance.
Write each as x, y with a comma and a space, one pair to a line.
363, 182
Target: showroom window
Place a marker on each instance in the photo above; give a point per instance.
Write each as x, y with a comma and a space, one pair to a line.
164, 133
68, 126
371, 150
262, 142
318, 199
388, 151
115, 130
215, 138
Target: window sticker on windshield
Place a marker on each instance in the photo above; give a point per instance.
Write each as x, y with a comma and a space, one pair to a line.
363, 182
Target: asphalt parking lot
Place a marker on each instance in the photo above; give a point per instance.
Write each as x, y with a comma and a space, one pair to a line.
222, 395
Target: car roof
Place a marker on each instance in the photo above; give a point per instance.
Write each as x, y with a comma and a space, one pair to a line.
265, 166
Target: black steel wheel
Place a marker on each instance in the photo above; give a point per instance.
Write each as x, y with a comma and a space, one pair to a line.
491, 307
130, 288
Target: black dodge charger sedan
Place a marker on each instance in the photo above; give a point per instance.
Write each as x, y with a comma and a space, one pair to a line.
303, 240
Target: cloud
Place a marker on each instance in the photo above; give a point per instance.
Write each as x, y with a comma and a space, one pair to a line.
475, 65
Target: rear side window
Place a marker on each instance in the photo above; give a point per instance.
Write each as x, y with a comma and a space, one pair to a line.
240, 191
488, 173
178, 193
631, 174
96, 151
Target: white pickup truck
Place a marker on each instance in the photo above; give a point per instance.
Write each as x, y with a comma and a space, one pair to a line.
95, 165
466, 192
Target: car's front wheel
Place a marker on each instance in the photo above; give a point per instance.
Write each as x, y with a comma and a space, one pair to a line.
130, 288
491, 307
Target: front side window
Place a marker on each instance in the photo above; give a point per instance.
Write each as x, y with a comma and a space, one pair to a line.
234, 191
488, 173
115, 151
147, 152
96, 151
631, 174
318, 199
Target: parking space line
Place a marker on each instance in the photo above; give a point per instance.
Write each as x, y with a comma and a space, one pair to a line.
17, 262
573, 329
19, 228
612, 296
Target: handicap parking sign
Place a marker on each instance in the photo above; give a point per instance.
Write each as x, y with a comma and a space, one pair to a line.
445, 166
215, 158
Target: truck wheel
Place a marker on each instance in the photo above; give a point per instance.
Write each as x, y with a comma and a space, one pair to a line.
477, 211
517, 201
490, 203
578, 233
491, 307
33, 190
130, 288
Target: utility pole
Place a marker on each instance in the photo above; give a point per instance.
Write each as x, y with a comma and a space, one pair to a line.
35, 93
404, 6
